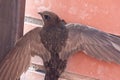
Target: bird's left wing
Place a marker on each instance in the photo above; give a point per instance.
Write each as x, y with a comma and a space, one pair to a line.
93, 42
18, 59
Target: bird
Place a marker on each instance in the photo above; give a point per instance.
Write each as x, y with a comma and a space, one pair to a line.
55, 42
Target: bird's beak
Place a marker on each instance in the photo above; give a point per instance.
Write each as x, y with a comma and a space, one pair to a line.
40, 13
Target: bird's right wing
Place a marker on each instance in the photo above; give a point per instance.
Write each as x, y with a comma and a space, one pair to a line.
18, 59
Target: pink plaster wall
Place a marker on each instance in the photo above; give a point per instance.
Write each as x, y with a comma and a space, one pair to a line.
102, 14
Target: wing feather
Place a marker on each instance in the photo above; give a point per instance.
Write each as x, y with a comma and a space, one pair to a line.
93, 42
18, 59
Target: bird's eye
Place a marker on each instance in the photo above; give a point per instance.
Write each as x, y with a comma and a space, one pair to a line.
47, 17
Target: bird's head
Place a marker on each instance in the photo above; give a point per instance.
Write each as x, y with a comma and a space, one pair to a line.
49, 18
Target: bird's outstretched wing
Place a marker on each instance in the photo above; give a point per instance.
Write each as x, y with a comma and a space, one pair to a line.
18, 59
93, 42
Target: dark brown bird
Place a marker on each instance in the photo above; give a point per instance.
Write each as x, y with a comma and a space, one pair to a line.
54, 43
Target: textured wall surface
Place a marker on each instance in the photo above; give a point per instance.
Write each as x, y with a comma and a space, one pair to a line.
102, 14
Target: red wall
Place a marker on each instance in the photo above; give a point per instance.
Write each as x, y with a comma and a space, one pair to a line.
102, 14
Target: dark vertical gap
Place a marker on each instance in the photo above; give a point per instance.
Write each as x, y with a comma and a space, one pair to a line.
11, 24
20, 14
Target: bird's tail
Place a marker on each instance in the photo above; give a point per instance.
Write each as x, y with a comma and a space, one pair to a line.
51, 76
